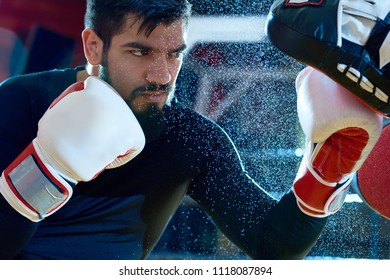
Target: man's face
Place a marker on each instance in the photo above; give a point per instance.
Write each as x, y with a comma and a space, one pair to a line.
144, 69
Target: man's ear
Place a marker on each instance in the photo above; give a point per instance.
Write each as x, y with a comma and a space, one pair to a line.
93, 46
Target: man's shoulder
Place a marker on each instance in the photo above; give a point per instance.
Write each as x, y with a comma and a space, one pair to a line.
181, 113
45, 80
36, 89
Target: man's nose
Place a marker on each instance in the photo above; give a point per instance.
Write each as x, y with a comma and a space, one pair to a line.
159, 71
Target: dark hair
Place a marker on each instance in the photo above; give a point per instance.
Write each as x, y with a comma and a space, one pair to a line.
107, 17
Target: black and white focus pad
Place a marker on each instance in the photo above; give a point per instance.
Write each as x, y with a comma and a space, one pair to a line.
372, 181
348, 40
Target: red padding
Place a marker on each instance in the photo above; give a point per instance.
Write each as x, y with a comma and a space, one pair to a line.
374, 176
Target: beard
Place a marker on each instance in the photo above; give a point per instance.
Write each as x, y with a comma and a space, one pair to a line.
152, 120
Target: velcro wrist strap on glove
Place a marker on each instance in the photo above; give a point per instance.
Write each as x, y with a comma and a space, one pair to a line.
33, 188
315, 196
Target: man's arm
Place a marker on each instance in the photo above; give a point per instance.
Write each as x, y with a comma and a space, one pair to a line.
259, 224
267, 229
75, 141
16, 132
15, 230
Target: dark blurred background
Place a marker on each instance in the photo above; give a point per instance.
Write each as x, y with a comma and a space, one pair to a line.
239, 80
50, 30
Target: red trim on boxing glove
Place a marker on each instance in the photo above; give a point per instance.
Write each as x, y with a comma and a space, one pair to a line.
79, 86
326, 171
318, 198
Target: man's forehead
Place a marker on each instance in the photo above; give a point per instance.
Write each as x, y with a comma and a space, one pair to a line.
172, 35
141, 27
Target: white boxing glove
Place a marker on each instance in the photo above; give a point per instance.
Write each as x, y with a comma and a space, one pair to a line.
340, 133
87, 129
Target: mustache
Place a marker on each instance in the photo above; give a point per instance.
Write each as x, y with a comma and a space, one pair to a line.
151, 87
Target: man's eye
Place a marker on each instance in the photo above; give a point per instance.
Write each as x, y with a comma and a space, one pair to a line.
176, 54
139, 52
